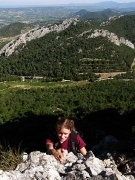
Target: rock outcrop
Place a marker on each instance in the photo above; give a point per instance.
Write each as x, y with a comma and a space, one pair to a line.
40, 166
111, 36
9, 48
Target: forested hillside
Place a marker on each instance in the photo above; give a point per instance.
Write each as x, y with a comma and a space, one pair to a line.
15, 29
98, 17
123, 27
70, 100
71, 54
99, 109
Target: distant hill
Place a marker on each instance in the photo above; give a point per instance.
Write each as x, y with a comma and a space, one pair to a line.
15, 29
51, 14
103, 15
115, 5
105, 5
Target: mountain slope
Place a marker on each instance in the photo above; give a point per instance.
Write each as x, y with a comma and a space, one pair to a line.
123, 26
105, 14
97, 17
72, 53
9, 48
14, 29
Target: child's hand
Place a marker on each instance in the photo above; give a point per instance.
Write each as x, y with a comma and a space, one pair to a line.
58, 155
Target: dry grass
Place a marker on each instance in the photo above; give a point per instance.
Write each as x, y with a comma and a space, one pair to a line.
10, 157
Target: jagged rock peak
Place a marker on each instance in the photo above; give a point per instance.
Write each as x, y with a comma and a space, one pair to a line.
35, 33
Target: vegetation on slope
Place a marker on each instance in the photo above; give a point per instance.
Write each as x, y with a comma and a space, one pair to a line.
14, 29
99, 109
68, 100
123, 27
103, 15
68, 55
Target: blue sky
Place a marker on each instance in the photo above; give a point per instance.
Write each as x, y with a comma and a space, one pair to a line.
53, 2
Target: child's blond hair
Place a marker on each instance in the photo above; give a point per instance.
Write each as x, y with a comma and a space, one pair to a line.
64, 123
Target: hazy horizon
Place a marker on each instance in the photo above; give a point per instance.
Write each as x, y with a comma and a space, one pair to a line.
15, 3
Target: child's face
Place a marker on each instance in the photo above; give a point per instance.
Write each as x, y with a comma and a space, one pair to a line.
63, 134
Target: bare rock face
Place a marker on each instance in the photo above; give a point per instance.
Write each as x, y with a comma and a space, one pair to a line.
9, 48
40, 166
111, 36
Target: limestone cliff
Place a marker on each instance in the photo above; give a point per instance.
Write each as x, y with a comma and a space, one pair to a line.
9, 48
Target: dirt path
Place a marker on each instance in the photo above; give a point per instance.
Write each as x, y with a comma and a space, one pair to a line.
133, 63
109, 75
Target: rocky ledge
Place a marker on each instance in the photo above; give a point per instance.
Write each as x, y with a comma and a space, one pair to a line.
40, 166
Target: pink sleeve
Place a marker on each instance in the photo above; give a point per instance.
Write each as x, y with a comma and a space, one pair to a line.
80, 143
48, 141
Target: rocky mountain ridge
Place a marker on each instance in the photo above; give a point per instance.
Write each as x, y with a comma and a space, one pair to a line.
9, 48
35, 33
